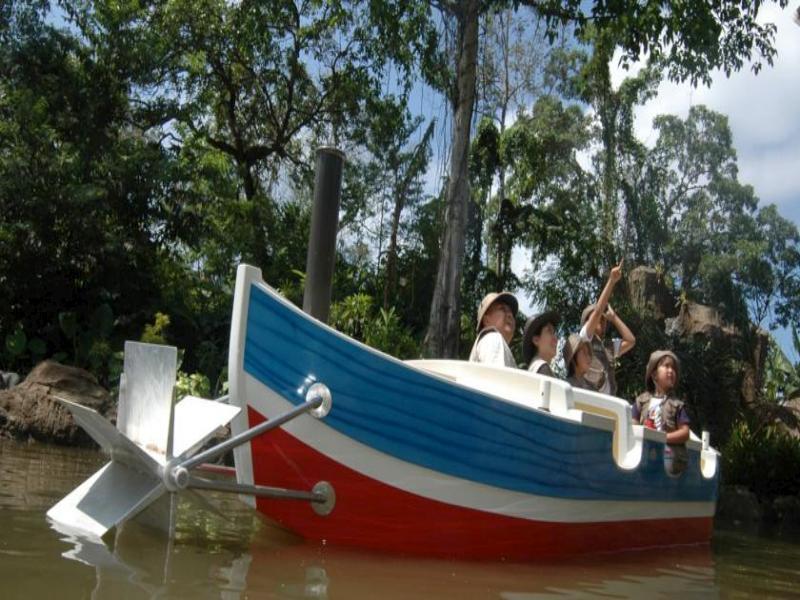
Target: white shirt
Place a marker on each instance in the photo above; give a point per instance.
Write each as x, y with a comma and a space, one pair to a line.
491, 349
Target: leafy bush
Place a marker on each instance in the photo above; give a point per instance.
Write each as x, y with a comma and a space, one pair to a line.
355, 316
195, 384
766, 460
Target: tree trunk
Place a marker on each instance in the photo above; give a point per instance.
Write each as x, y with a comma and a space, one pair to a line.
390, 285
441, 339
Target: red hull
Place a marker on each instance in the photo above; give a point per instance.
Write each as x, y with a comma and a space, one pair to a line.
373, 515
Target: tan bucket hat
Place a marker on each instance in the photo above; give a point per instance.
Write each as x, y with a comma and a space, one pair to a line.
652, 363
493, 297
533, 327
587, 312
571, 346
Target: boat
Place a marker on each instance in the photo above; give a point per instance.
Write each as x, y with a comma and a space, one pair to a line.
345, 445
448, 458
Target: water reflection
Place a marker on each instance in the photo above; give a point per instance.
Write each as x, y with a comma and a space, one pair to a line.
303, 572
141, 563
233, 553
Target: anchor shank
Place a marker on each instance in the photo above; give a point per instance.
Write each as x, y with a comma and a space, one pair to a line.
248, 435
254, 490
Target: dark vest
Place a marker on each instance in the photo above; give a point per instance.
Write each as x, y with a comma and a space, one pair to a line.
669, 412
602, 366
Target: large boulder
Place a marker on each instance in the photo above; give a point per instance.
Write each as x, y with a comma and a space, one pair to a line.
695, 319
649, 294
30, 410
737, 505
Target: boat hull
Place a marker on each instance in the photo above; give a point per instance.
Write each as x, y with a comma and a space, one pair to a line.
423, 466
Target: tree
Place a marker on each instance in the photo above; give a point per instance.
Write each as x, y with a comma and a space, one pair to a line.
444, 325
84, 196
251, 80
511, 75
690, 39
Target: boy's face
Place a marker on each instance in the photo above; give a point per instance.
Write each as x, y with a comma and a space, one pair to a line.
600, 330
583, 360
665, 375
546, 342
501, 318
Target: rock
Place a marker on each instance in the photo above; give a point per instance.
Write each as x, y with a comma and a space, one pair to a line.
8, 380
649, 295
785, 513
738, 505
30, 410
787, 418
698, 319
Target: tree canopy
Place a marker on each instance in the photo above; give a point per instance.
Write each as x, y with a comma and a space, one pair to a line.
148, 147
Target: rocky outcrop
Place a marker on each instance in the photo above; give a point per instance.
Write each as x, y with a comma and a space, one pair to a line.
697, 319
30, 410
739, 507
649, 294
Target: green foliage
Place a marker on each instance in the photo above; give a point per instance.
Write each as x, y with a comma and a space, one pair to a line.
18, 348
357, 317
387, 333
155, 332
91, 341
195, 384
692, 39
764, 459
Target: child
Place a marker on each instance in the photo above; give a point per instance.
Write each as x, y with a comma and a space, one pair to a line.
594, 321
497, 320
540, 342
658, 408
577, 358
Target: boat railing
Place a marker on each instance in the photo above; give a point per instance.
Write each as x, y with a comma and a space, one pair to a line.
510, 384
627, 448
563, 400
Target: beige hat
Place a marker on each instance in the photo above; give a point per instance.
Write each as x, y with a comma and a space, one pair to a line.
490, 299
652, 363
587, 312
574, 341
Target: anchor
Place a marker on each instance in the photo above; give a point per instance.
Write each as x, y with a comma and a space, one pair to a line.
154, 448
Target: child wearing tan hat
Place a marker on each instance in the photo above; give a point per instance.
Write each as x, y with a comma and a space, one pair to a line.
577, 358
658, 408
497, 321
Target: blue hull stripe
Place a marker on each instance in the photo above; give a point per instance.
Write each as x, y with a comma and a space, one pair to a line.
464, 433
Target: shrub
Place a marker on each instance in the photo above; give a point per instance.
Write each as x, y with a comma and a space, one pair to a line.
765, 459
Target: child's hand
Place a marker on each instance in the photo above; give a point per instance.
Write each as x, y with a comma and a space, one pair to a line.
616, 273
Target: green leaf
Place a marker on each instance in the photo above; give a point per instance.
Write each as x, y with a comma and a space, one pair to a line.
60, 357
68, 321
16, 342
101, 321
37, 347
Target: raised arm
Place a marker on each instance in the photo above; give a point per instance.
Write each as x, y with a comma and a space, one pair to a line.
628, 339
602, 301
